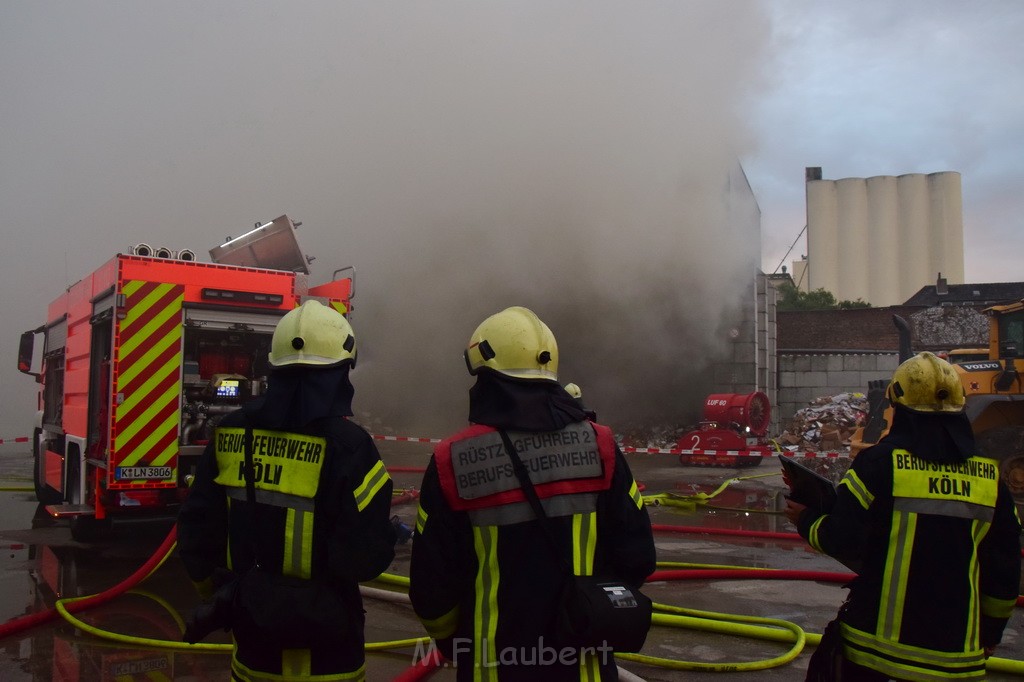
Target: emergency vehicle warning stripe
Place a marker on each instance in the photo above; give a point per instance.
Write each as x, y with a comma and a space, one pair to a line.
148, 352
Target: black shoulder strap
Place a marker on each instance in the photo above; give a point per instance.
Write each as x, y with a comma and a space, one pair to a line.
250, 469
250, 489
531, 495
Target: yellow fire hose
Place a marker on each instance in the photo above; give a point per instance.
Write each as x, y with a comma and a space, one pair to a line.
768, 629
665, 615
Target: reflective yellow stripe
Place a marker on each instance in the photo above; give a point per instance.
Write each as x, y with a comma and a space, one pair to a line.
584, 542
442, 626
857, 488
910, 662
590, 667
812, 534
298, 544
296, 663
979, 529
421, 519
634, 494
485, 621
248, 675
372, 482
997, 608
894, 580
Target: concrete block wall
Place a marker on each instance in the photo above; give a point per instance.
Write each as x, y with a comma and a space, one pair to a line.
804, 377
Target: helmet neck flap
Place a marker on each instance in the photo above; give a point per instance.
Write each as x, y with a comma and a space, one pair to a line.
934, 436
504, 403
298, 395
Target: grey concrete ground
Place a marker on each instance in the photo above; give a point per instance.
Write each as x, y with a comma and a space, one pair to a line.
40, 562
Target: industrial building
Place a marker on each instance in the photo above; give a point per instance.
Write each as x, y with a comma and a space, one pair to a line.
880, 239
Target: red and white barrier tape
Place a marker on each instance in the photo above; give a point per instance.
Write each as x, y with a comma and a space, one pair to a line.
753, 452
407, 439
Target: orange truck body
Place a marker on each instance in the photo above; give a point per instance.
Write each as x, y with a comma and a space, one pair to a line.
140, 358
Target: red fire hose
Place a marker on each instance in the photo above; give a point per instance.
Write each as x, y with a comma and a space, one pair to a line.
24, 622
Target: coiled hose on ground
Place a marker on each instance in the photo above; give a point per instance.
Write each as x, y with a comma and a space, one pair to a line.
665, 616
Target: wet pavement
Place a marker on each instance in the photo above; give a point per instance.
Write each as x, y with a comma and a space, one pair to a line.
40, 563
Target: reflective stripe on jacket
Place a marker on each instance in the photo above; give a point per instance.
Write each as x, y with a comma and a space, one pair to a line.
941, 562
485, 577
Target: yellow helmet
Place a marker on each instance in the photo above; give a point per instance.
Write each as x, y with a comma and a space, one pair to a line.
574, 391
313, 335
515, 343
926, 383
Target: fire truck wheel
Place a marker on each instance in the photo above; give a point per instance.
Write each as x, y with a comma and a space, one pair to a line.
44, 493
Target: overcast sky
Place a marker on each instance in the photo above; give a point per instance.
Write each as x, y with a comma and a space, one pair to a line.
465, 156
887, 88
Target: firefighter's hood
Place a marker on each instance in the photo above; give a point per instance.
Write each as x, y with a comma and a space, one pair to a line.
504, 403
936, 437
297, 396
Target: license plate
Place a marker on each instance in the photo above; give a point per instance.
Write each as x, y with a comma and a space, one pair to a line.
143, 473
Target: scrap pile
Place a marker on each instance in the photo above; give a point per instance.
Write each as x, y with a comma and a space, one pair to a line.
826, 424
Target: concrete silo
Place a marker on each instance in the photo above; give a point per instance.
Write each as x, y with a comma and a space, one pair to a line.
881, 239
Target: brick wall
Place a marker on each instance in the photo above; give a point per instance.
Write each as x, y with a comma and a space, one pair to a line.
864, 329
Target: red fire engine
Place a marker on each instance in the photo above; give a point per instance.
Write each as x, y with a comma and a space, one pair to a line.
141, 357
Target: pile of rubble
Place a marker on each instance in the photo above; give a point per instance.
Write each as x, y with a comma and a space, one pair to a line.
826, 424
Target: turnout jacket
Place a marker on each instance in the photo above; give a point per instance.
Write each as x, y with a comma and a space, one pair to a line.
485, 577
322, 514
940, 548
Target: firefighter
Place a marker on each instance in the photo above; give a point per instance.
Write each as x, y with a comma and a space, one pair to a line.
320, 520
937, 537
484, 576
577, 394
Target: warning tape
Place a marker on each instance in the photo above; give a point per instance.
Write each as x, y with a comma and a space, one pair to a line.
810, 454
407, 439
753, 452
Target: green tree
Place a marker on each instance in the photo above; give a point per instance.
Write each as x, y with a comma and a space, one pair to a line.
791, 298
